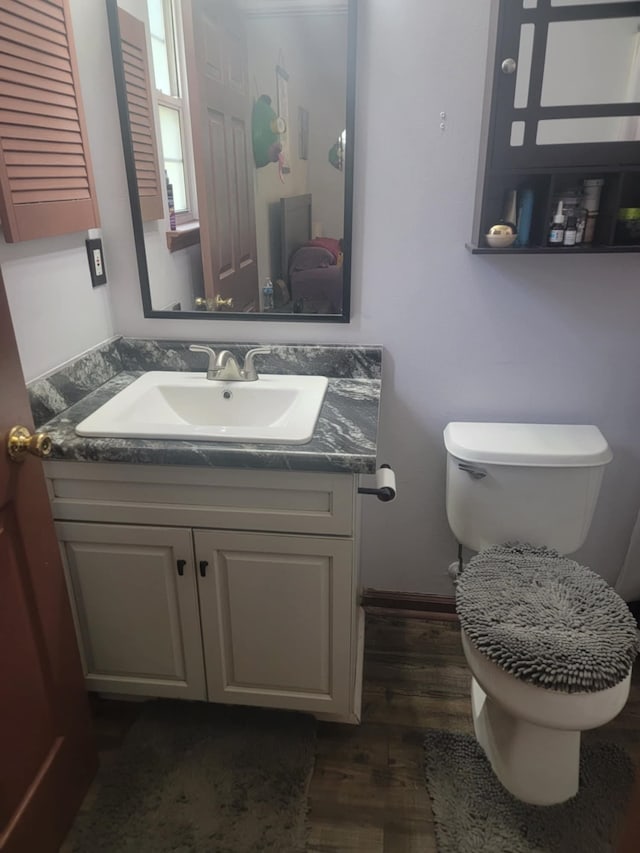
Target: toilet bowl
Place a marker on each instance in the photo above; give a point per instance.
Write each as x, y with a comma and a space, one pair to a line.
530, 735
548, 708
547, 661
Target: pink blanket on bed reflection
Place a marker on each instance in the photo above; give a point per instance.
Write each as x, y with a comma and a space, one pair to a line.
331, 244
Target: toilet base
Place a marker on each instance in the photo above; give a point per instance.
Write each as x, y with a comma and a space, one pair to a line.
538, 765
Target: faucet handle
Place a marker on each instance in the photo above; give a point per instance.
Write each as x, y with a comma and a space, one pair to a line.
249, 369
202, 348
212, 357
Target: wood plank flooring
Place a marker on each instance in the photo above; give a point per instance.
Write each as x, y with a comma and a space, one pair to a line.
367, 793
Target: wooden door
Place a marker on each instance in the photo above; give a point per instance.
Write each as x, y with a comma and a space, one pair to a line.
47, 754
136, 606
220, 107
276, 619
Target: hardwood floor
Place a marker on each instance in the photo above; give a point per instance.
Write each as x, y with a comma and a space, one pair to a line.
367, 793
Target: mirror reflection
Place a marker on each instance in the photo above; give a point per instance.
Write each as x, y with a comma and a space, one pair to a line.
239, 137
588, 62
592, 62
572, 131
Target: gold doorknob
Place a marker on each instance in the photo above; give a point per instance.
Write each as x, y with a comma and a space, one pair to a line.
22, 441
210, 304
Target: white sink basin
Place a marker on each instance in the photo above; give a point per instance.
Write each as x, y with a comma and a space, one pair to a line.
161, 404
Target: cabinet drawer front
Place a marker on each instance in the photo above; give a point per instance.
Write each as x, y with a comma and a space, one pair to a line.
276, 619
135, 608
288, 501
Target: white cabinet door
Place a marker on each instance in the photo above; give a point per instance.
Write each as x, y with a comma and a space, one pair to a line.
135, 603
276, 619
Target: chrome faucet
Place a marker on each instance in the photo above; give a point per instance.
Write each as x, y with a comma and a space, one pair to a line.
224, 365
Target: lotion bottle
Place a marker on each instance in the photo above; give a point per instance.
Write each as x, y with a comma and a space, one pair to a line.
556, 232
570, 232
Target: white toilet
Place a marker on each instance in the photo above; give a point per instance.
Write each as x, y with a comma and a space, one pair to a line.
550, 645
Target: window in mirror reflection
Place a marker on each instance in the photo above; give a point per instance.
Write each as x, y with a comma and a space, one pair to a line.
167, 64
592, 62
162, 46
172, 155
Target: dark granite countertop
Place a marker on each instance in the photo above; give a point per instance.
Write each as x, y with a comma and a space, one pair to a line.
345, 438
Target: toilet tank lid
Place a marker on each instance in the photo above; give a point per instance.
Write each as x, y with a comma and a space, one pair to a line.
544, 445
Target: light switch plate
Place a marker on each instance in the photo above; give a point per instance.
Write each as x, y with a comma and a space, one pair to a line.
96, 262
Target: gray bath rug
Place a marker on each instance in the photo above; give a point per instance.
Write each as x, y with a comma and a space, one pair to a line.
474, 814
198, 778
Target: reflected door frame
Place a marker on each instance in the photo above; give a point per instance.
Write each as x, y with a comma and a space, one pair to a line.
218, 78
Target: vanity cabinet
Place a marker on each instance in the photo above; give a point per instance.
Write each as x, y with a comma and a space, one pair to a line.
562, 106
137, 616
276, 619
229, 586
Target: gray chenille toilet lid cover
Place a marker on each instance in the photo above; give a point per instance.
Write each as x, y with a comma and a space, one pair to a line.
546, 619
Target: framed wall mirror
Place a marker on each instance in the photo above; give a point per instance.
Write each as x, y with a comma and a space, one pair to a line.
237, 120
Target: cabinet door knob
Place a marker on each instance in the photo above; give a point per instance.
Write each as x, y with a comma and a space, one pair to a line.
181, 564
508, 66
203, 568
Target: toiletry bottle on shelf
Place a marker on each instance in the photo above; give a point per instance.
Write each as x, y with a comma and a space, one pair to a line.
510, 209
570, 232
591, 200
170, 203
525, 214
267, 295
581, 222
556, 232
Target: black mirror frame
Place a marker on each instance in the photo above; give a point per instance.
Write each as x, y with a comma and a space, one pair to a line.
136, 214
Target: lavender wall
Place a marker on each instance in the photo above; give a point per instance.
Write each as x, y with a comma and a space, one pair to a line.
56, 313
532, 338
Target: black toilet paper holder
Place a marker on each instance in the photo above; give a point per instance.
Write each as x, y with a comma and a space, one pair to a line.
383, 493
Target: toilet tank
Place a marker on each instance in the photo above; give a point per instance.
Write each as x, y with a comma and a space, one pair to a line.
534, 483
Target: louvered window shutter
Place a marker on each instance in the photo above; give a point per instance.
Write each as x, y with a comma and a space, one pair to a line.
141, 117
46, 181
